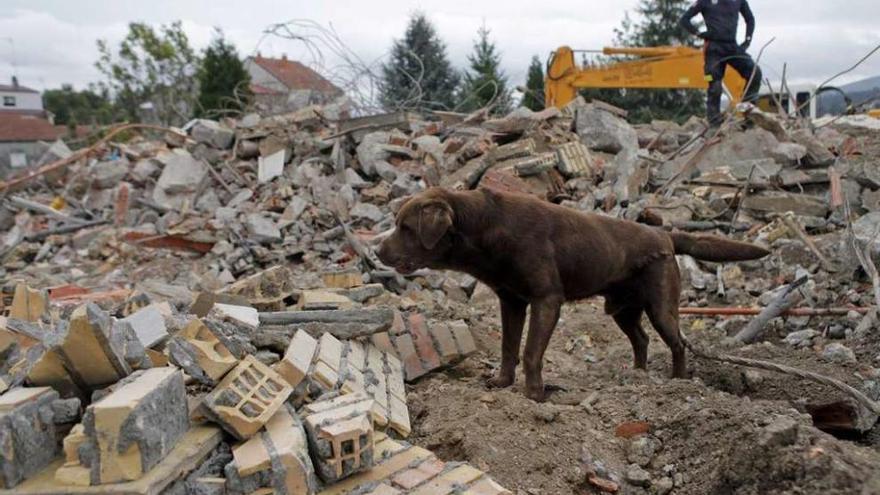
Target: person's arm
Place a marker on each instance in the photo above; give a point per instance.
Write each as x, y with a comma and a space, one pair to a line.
749, 17
689, 14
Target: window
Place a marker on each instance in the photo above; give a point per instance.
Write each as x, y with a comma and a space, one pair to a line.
8, 101
17, 160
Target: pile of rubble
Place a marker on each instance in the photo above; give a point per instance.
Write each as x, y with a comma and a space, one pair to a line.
202, 312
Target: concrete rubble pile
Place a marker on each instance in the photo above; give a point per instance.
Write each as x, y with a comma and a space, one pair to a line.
203, 312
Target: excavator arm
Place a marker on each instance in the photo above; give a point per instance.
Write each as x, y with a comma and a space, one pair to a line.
663, 67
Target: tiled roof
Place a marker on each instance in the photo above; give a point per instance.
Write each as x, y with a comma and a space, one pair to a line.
263, 90
16, 89
295, 75
22, 126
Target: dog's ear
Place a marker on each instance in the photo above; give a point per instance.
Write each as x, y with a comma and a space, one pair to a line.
435, 218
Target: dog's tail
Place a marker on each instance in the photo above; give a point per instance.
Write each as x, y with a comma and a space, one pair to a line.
713, 248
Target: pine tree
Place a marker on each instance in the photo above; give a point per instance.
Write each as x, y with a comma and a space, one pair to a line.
656, 24
418, 76
223, 80
534, 97
484, 82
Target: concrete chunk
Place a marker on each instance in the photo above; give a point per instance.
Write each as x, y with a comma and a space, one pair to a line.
27, 433
212, 133
312, 300
246, 398
180, 178
128, 431
340, 434
92, 352
269, 167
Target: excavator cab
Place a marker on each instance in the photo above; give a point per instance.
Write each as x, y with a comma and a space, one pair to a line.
661, 67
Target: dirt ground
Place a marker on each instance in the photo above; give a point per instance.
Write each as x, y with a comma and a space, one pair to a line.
722, 431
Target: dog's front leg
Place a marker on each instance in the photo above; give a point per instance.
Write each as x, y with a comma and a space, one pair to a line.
545, 314
513, 317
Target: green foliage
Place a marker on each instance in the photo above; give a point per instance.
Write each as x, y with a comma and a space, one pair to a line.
223, 80
656, 25
484, 82
155, 67
534, 97
72, 107
418, 75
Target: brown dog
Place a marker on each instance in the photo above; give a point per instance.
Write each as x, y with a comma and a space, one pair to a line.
531, 252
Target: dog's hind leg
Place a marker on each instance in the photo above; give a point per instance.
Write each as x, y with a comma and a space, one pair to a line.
662, 287
629, 319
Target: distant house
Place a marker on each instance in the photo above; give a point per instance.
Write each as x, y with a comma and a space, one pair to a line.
280, 85
26, 129
17, 98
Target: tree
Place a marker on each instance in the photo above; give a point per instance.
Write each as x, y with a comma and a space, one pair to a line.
418, 75
484, 82
152, 71
534, 97
223, 80
72, 107
656, 24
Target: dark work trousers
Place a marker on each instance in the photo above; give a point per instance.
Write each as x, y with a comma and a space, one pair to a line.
718, 55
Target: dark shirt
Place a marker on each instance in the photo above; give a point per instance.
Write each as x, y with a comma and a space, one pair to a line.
721, 18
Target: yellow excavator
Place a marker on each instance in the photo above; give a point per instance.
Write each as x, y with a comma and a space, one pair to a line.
661, 67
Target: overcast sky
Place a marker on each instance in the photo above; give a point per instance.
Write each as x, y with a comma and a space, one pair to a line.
54, 40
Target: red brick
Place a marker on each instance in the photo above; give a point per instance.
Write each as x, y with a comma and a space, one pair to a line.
603, 485
445, 342
422, 341
397, 325
383, 342
412, 365
631, 429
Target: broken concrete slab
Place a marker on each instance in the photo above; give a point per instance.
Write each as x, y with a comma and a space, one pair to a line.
366, 320
340, 434
366, 211
242, 315
246, 398
179, 180
779, 202
817, 154
148, 323
265, 290
129, 431
262, 229
189, 453
601, 130
277, 458
109, 173
212, 133
27, 433
200, 353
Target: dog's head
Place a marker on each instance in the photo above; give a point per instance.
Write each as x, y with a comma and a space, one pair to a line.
420, 238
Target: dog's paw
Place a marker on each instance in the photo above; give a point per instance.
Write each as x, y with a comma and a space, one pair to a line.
499, 381
537, 395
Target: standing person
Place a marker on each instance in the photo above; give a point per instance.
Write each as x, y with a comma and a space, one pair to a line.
721, 49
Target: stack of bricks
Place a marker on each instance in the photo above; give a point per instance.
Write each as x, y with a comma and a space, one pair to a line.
315, 367
403, 469
276, 459
425, 346
128, 431
247, 398
27, 433
340, 435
